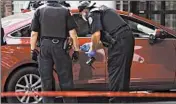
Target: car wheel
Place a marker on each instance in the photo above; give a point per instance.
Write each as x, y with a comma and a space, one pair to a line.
24, 80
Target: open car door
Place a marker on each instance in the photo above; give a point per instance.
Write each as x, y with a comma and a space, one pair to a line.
153, 62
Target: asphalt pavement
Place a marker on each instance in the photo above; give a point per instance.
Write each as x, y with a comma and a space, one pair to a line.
130, 100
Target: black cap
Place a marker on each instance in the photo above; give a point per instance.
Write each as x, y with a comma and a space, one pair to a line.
83, 5
52, 1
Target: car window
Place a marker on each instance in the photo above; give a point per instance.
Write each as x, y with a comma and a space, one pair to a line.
140, 29
82, 26
24, 32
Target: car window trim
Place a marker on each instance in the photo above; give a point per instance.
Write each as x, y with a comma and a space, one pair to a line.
157, 27
126, 18
10, 34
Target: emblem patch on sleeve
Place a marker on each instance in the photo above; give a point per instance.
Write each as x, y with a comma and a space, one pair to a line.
90, 20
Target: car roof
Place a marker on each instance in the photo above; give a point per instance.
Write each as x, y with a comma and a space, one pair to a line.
13, 22
14, 19
10, 23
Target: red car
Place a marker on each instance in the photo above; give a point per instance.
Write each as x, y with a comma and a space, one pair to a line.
153, 68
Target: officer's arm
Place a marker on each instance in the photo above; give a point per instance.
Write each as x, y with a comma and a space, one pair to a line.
35, 26
100, 45
71, 26
73, 35
97, 44
34, 36
95, 40
95, 28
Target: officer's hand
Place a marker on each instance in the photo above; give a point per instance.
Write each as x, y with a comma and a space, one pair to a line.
91, 53
34, 54
85, 47
75, 56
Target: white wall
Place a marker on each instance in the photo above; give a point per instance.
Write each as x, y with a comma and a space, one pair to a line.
18, 5
112, 4
73, 4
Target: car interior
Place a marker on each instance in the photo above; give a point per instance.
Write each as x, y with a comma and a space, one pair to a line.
140, 29
24, 32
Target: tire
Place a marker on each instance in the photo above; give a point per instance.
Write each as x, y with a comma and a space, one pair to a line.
18, 78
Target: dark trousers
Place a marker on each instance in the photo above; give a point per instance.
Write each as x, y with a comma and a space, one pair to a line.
53, 54
120, 57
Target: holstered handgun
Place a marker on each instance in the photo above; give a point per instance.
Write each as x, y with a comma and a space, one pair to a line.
38, 41
106, 39
68, 44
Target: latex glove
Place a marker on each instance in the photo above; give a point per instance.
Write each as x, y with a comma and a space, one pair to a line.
85, 47
34, 54
91, 54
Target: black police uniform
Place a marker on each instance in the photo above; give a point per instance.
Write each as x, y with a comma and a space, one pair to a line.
120, 54
53, 22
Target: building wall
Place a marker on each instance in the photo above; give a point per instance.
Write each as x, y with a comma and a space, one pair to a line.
112, 4
18, 5
163, 12
6, 7
2, 8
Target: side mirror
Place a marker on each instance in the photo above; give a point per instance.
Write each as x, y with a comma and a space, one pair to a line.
158, 34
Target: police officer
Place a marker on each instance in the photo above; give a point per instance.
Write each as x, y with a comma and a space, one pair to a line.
37, 4
121, 47
53, 23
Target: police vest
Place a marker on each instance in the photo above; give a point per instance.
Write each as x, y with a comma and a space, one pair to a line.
53, 19
110, 19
